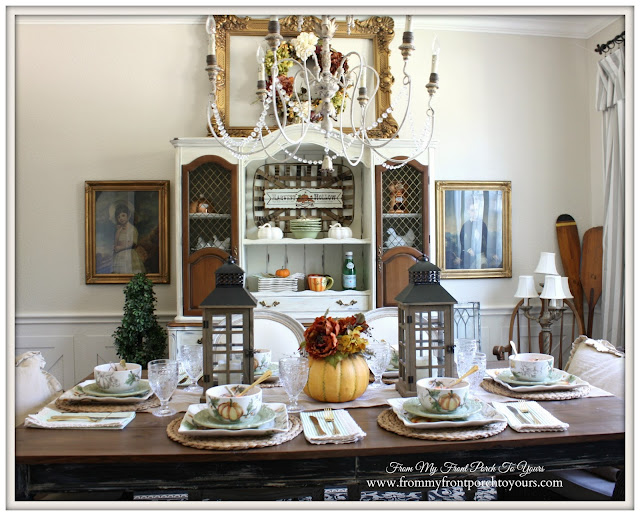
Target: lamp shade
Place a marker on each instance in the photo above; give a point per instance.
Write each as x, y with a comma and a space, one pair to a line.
552, 288
526, 287
565, 288
547, 264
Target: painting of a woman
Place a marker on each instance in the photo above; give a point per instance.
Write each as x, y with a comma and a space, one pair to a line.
126, 258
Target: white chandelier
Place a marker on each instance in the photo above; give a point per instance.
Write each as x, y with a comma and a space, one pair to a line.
311, 83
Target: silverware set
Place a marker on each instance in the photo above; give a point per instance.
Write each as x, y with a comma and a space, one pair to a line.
329, 418
523, 414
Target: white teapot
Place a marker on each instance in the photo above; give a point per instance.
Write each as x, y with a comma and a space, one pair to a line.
268, 232
337, 231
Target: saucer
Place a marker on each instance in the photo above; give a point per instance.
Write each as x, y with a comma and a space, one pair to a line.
279, 425
472, 406
485, 416
275, 369
92, 389
205, 419
566, 382
554, 377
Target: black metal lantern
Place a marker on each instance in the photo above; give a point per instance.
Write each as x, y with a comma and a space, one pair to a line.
425, 328
227, 312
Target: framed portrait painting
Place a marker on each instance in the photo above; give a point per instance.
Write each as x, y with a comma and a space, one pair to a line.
473, 229
126, 230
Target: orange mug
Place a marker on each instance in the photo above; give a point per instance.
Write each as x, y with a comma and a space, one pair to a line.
319, 282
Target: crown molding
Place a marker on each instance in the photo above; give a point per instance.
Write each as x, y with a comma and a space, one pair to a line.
579, 26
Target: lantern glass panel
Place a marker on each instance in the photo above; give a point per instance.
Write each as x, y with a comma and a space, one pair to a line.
229, 340
428, 330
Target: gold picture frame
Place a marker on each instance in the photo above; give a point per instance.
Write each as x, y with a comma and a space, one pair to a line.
378, 29
473, 229
126, 230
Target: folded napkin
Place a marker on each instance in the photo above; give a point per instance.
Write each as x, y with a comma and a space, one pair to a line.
41, 420
349, 430
548, 423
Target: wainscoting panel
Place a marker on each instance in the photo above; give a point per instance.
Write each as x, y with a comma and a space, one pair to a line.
57, 351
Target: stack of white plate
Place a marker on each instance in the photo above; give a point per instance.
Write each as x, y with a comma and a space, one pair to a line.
289, 284
305, 228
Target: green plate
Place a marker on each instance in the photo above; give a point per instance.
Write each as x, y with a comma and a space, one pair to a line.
556, 376
472, 406
205, 419
92, 389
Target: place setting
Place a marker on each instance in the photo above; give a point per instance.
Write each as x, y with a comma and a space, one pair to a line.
115, 387
234, 417
533, 376
444, 409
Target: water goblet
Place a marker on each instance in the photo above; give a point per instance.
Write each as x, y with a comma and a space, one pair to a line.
479, 359
191, 360
293, 372
378, 356
465, 349
163, 379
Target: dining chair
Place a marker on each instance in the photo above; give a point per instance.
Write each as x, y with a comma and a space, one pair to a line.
279, 332
383, 324
525, 334
466, 320
35, 387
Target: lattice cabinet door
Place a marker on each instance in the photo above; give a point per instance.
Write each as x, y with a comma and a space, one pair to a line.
402, 226
209, 225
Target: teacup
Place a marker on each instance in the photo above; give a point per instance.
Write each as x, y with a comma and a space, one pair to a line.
261, 358
319, 282
532, 367
114, 378
435, 396
223, 402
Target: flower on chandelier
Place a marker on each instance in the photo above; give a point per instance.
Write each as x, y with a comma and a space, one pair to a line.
335, 339
304, 45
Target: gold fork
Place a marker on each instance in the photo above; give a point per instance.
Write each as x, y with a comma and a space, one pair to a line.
329, 418
522, 407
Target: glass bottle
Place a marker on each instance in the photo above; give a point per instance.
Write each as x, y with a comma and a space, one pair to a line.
349, 272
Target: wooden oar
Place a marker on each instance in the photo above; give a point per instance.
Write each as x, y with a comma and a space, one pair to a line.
569, 244
591, 270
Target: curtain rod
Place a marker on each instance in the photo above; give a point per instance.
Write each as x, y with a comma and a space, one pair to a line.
609, 45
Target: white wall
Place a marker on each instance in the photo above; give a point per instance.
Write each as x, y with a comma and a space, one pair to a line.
100, 101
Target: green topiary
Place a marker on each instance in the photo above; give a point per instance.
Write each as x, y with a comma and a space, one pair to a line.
140, 339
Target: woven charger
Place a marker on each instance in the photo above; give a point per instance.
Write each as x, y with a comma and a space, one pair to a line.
233, 443
81, 406
389, 421
496, 388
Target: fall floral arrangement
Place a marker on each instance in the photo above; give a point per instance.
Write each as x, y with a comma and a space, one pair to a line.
303, 47
335, 339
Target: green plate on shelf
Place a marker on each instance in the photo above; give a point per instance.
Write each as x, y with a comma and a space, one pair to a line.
92, 389
205, 419
472, 406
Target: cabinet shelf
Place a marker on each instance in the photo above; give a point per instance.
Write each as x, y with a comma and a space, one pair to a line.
308, 241
209, 215
401, 215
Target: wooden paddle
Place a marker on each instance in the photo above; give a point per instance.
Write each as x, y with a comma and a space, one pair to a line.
591, 270
569, 244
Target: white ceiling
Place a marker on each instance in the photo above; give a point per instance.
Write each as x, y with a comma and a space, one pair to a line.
581, 26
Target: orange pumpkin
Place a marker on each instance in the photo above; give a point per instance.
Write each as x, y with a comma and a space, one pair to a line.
282, 273
345, 381
450, 401
230, 410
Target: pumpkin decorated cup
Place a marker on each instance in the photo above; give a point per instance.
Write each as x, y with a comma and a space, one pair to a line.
224, 403
436, 397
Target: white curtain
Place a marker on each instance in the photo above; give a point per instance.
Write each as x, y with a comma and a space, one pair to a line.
610, 100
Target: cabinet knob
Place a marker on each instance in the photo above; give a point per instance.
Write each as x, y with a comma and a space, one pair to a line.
275, 303
342, 303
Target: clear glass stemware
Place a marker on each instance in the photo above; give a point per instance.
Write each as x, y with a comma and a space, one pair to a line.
479, 359
191, 359
465, 349
293, 372
163, 379
378, 355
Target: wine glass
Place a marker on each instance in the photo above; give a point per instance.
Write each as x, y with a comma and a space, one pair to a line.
293, 372
465, 349
479, 359
163, 379
378, 356
191, 360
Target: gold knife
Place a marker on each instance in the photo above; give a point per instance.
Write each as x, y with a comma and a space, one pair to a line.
89, 418
315, 421
518, 415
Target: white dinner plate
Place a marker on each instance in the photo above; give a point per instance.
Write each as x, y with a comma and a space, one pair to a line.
566, 382
485, 416
278, 425
77, 394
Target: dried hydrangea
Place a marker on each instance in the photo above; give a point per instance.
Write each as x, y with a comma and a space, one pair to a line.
305, 45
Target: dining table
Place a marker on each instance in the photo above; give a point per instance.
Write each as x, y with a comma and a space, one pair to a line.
141, 457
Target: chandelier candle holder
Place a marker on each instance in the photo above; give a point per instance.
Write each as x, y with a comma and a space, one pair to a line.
425, 328
306, 97
227, 312
555, 293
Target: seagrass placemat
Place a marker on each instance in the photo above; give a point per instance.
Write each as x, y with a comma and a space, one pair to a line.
389, 421
84, 406
496, 388
233, 443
